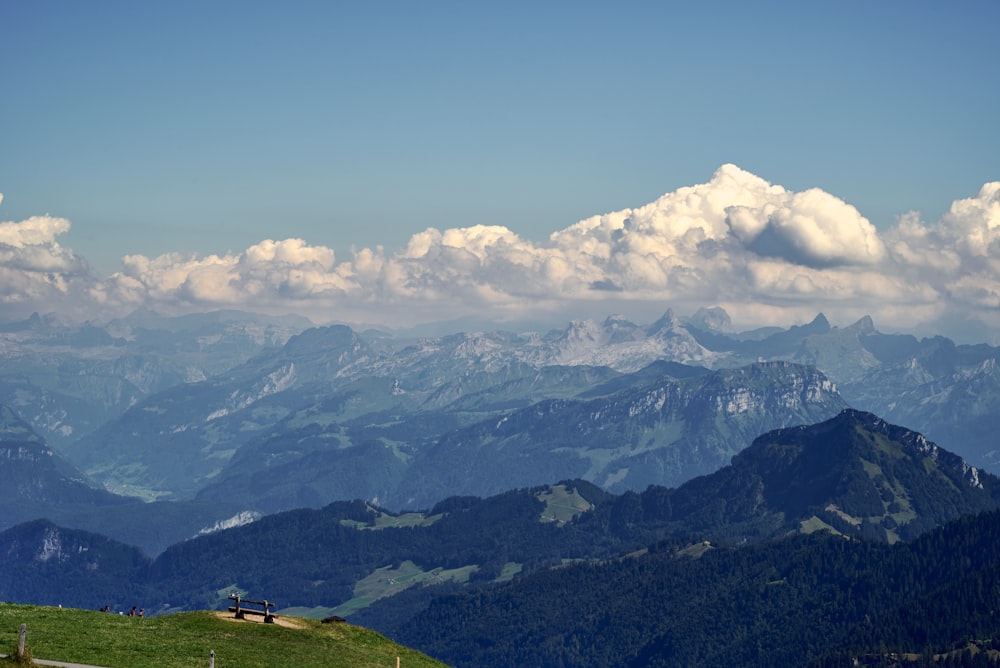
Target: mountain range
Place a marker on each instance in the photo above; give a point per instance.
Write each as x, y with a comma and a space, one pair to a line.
395, 480
848, 482
272, 415
382, 410
66, 379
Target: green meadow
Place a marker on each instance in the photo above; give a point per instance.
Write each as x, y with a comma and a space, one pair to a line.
187, 639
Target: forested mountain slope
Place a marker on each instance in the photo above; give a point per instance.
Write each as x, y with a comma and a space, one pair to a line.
817, 599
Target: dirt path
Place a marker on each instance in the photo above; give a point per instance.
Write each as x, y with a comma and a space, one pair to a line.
288, 622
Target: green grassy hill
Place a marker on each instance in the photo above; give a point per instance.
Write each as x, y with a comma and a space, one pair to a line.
186, 639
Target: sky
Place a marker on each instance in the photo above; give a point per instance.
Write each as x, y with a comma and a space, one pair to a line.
398, 163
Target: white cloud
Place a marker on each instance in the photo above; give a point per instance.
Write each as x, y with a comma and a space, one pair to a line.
766, 254
36, 273
959, 257
811, 228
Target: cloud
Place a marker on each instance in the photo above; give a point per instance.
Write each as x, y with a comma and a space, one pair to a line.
265, 274
811, 228
766, 254
35, 271
959, 256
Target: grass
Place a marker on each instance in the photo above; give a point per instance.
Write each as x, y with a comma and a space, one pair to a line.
561, 505
185, 640
385, 582
385, 520
814, 524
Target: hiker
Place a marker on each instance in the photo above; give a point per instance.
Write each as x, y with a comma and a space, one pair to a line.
142, 611
131, 613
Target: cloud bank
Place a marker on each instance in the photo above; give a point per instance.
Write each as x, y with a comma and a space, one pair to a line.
766, 254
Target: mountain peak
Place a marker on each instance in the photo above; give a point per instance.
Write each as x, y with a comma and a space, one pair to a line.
854, 474
917, 445
667, 322
865, 325
819, 324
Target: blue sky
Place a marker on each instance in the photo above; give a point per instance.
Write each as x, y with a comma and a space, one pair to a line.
207, 127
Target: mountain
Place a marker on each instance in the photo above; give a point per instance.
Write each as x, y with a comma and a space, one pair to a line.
86, 570
853, 476
39, 483
807, 514
271, 419
407, 441
947, 391
660, 432
172, 442
34, 478
67, 379
816, 600
314, 557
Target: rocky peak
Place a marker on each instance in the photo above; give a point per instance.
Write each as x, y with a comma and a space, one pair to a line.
819, 325
863, 327
667, 323
319, 339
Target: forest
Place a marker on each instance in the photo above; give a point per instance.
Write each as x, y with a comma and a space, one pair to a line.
818, 600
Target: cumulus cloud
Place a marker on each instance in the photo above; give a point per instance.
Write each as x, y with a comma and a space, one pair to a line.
959, 256
811, 228
766, 254
35, 271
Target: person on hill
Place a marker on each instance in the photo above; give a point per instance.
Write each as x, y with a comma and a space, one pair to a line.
131, 613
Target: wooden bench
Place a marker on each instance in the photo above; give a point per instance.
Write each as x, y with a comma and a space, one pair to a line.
262, 608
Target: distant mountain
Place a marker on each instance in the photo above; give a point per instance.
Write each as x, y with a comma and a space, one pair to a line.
215, 407
67, 379
662, 432
172, 443
34, 478
949, 392
278, 441
38, 483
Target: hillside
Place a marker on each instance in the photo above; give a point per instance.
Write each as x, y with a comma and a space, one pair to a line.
67, 379
187, 639
663, 431
39, 483
853, 475
818, 599
35, 478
